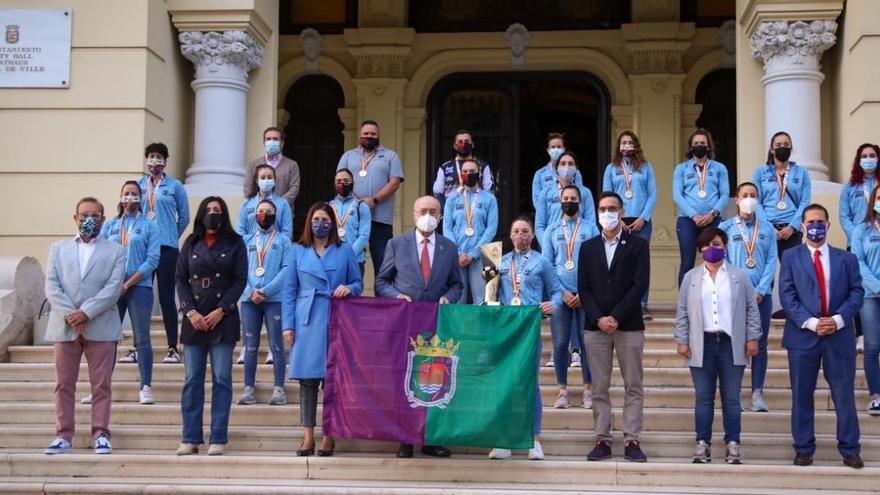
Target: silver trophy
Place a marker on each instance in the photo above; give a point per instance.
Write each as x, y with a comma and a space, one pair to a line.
491, 255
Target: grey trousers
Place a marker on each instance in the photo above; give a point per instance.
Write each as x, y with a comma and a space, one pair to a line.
308, 401
600, 349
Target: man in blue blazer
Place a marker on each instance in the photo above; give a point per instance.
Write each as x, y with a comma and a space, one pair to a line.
421, 265
821, 291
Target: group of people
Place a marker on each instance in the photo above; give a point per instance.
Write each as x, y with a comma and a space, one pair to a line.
590, 280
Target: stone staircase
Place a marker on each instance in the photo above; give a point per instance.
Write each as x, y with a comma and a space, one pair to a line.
260, 457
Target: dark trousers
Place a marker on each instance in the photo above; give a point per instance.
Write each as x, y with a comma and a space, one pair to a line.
688, 232
795, 240
164, 276
380, 234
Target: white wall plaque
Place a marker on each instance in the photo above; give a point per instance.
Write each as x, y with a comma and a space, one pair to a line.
35, 48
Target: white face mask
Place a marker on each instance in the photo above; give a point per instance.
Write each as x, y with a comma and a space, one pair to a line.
609, 220
748, 205
426, 223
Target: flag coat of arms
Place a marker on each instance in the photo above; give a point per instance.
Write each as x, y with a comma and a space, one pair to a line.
425, 373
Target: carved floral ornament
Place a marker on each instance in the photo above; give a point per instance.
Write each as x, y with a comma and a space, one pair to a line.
799, 42
234, 52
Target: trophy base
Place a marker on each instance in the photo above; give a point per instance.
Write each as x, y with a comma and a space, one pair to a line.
493, 303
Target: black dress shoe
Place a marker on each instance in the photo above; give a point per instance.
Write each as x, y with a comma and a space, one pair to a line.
301, 452
405, 451
854, 461
803, 459
436, 451
327, 452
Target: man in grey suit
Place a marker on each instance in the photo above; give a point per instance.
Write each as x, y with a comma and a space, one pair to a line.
421, 265
84, 279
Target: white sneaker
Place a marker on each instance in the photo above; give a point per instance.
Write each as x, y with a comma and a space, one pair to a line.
536, 453
733, 454
58, 446
131, 357
500, 454
279, 398
102, 445
575, 360
758, 404
187, 449
216, 449
269, 358
247, 397
240, 359
562, 401
550, 363
588, 399
87, 399
874, 408
860, 343
172, 357
147, 395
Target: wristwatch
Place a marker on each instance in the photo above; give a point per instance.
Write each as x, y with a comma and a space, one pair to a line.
190, 313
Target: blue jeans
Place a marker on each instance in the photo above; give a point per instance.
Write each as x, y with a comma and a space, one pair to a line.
870, 314
759, 362
645, 234
566, 325
472, 279
688, 232
138, 301
252, 318
717, 368
192, 399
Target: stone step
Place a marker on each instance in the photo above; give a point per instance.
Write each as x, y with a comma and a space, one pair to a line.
829, 475
165, 392
654, 377
575, 418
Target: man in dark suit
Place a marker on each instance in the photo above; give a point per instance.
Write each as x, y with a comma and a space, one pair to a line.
821, 291
421, 265
613, 273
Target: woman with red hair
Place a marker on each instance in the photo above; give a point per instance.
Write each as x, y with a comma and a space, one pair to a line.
856, 193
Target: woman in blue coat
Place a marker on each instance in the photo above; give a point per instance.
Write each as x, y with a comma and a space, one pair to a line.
548, 209
322, 266
471, 221
785, 190
528, 278
352, 215
866, 247
856, 194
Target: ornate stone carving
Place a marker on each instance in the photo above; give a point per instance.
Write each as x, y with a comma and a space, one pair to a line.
656, 60
311, 44
230, 54
727, 34
381, 62
517, 37
795, 43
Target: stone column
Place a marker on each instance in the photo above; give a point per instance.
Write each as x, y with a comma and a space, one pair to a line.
222, 61
792, 79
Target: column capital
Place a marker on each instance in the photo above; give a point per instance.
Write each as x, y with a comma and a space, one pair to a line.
227, 54
798, 44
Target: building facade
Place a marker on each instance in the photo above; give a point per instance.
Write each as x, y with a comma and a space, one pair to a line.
207, 76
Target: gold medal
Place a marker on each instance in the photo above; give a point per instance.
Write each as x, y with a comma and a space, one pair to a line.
751, 263
469, 232
151, 215
781, 205
629, 195
260, 271
569, 265
341, 232
516, 301
702, 194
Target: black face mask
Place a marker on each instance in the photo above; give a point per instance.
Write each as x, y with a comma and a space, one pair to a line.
570, 208
464, 149
699, 151
471, 179
213, 221
344, 189
782, 154
370, 143
266, 221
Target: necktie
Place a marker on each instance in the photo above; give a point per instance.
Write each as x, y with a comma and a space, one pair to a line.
820, 276
426, 262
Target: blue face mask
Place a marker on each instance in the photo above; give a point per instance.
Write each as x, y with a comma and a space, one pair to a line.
877, 207
321, 229
273, 147
816, 232
266, 185
566, 173
89, 227
555, 153
868, 164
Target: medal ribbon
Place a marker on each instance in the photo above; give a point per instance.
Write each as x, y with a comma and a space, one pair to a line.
704, 173
125, 234
153, 193
514, 275
783, 183
628, 177
342, 220
469, 208
261, 252
570, 240
365, 160
750, 244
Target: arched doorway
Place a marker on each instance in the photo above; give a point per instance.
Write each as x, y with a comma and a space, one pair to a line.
510, 115
314, 139
716, 92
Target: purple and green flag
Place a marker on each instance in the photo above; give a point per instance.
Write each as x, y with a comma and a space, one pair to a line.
425, 373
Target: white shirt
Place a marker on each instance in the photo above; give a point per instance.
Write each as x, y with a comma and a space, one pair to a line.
432, 241
84, 250
611, 247
716, 300
825, 258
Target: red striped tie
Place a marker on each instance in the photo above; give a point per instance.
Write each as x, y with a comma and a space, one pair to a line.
820, 276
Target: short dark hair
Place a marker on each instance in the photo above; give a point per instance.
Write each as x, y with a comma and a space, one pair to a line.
708, 235
268, 202
556, 135
610, 194
89, 199
276, 129
463, 131
307, 239
346, 171
815, 206
156, 148
523, 218
369, 122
